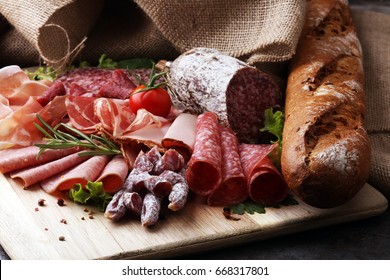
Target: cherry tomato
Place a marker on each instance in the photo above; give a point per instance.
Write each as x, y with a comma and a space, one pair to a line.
157, 100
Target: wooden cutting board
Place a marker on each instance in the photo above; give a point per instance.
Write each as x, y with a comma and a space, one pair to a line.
26, 233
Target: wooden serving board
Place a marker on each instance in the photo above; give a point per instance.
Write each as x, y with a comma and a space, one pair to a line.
29, 234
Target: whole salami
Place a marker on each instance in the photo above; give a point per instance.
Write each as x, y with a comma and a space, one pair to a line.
204, 79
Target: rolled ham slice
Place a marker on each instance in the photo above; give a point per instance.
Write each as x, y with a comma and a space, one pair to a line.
19, 158
181, 135
35, 174
89, 170
204, 168
114, 174
266, 184
233, 188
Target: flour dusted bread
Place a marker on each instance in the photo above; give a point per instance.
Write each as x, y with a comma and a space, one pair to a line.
326, 150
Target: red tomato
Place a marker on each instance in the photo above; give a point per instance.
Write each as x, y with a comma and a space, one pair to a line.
157, 101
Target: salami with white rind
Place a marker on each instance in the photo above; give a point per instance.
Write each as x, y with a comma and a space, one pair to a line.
204, 79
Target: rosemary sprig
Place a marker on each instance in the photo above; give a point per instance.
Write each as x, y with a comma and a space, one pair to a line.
58, 139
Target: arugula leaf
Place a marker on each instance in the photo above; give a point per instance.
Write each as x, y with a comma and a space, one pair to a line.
93, 194
42, 73
273, 123
131, 63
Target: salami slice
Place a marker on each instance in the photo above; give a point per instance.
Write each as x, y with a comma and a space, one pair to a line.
87, 171
35, 174
233, 188
204, 79
265, 183
114, 174
204, 168
19, 158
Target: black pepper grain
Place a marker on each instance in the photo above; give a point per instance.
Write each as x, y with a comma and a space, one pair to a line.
61, 238
41, 202
60, 202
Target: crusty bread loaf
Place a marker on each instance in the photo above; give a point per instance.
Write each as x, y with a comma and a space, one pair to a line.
326, 150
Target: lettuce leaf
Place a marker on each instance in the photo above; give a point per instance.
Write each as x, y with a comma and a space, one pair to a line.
92, 194
42, 73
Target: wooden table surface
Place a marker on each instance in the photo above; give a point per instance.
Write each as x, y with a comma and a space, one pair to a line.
364, 239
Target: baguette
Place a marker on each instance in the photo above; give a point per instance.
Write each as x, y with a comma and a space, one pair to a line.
326, 150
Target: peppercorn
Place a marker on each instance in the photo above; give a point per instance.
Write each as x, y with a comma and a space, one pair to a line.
41, 202
61, 238
60, 202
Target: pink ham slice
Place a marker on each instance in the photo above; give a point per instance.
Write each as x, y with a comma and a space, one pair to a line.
89, 170
204, 168
32, 175
19, 158
265, 183
181, 135
233, 188
114, 174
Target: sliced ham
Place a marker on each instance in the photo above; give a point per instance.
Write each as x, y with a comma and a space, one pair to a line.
233, 188
204, 168
114, 174
181, 135
18, 127
35, 174
89, 170
266, 185
17, 87
19, 158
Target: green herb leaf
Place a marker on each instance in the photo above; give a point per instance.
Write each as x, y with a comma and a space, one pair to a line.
105, 62
131, 63
251, 207
273, 123
57, 139
92, 194
42, 73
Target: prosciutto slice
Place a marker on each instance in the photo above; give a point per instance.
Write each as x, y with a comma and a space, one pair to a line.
233, 188
81, 113
265, 183
114, 174
204, 168
19, 158
33, 175
89, 170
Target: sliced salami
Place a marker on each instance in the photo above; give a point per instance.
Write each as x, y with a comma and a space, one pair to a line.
19, 158
35, 174
265, 183
204, 168
87, 171
233, 188
204, 79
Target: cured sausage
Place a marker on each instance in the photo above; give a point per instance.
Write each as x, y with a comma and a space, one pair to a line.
204, 168
233, 188
204, 79
266, 185
150, 210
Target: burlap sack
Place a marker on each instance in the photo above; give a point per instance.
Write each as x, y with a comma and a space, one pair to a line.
374, 34
258, 31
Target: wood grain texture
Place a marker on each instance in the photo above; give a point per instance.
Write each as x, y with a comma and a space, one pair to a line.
29, 234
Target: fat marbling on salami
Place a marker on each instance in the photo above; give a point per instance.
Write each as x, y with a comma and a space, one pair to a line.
204, 79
